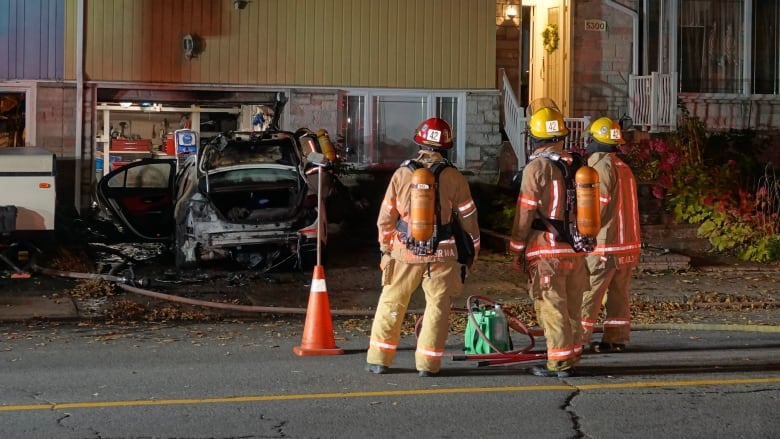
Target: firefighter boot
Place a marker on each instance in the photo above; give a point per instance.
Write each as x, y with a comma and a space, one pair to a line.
376, 368
606, 348
542, 371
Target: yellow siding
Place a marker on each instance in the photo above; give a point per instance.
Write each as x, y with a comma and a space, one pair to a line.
70, 40
339, 43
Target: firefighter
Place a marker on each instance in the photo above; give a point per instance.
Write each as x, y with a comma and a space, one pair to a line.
618, 242
557, 276
408, 259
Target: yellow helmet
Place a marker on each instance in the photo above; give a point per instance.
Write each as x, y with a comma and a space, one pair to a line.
606, 131
547, 123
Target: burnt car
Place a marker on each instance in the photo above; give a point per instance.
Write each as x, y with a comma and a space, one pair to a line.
248, 196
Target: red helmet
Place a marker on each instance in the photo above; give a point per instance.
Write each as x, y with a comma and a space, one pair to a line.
435, 133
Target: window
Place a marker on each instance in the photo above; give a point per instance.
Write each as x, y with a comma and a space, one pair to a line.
12, 119
378, 129
727, 47
766, 18
710, 42
395, 120
150, 176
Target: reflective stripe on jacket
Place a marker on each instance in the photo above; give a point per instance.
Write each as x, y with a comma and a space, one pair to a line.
620, 231
542, 193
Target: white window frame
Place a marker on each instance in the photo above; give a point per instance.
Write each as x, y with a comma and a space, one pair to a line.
431, 96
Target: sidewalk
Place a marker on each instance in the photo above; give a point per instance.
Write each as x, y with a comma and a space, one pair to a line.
668, 289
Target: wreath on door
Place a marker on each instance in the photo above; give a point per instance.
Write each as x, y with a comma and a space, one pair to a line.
550, 38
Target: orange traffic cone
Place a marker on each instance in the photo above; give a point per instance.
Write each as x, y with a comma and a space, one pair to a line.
318, 329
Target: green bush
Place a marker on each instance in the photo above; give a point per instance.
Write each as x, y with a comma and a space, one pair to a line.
495, 206
724, 189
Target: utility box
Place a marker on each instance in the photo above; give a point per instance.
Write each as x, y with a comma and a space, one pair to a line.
27, 177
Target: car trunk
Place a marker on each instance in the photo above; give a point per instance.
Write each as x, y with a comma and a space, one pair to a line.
256, 196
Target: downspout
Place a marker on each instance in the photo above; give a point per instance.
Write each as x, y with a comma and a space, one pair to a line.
635, 33
78, 150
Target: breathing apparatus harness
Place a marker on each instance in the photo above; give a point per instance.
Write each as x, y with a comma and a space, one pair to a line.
566, 230
440, 231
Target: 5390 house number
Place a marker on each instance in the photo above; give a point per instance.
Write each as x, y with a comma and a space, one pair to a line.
596, 25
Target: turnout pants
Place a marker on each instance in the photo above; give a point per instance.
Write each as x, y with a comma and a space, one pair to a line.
613, 280
440, 282
557, 286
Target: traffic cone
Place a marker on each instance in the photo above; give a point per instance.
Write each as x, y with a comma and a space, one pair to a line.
318, 329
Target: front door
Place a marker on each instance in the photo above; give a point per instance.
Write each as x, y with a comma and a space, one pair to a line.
549, 61
553, 61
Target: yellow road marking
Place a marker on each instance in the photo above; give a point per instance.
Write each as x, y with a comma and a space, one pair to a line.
381, 393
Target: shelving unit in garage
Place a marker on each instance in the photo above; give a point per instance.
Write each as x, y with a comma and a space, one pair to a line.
134, 131
123, 151
129, 133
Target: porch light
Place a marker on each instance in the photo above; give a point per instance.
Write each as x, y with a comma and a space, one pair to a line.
511, 11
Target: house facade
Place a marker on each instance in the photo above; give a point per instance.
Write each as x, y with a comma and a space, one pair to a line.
77, 74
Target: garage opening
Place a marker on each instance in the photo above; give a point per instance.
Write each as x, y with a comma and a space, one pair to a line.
132, 124
12, 119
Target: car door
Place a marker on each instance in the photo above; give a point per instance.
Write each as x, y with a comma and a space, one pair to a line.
140, 196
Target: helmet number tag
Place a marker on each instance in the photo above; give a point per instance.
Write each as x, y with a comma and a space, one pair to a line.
551, 126
433, 135
614, 134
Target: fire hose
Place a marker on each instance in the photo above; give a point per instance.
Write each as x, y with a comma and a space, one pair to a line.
138, 286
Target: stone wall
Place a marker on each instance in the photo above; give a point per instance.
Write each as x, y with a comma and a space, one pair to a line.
56, 132
483, 135
314, 109
56, 118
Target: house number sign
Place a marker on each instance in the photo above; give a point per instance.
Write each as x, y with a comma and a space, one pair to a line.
596, 25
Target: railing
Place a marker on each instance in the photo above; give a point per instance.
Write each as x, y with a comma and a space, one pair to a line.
515, 121
653, 101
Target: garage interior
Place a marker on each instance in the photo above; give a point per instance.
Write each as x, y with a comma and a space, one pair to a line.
139, 123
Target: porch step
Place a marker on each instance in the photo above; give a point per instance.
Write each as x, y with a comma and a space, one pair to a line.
678, 238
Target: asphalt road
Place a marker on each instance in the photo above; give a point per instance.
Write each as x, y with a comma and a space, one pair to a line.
242, 380
239, 378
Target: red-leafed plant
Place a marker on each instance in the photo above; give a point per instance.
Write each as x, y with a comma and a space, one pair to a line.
714, 180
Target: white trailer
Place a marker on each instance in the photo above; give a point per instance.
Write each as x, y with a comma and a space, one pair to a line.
27, 177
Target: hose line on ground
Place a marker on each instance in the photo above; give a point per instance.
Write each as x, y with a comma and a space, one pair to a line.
126, 284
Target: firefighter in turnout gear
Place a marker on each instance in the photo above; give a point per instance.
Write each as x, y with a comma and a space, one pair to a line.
557, 276
424, 197
618, 242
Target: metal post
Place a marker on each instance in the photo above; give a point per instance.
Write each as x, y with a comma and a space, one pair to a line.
319, 212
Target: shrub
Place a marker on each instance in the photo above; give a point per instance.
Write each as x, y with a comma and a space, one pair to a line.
715, 180
495, 207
